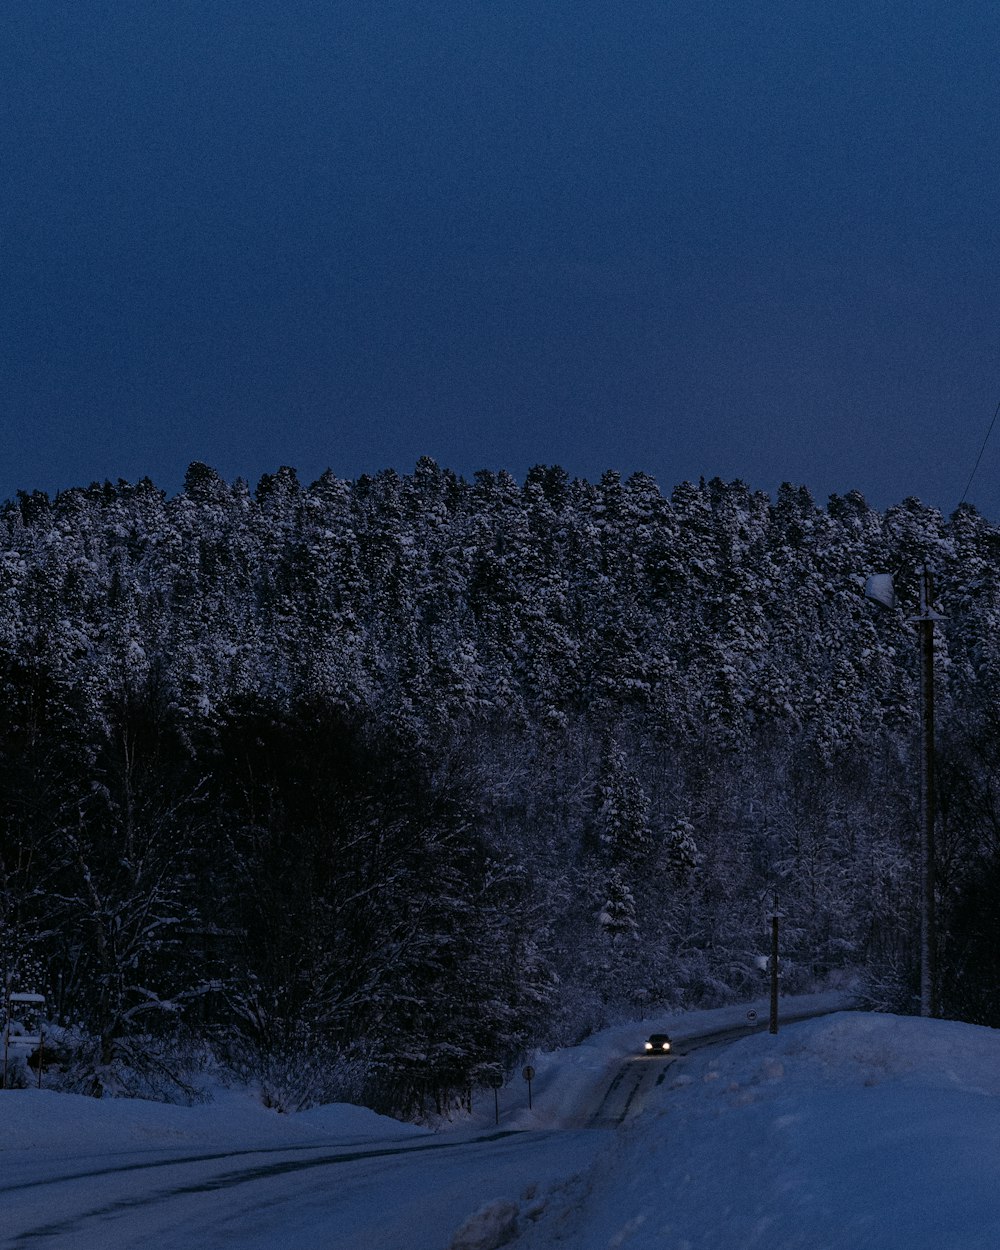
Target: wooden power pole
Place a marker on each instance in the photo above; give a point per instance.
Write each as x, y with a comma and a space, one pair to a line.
928, 932
773, 1026
880, 589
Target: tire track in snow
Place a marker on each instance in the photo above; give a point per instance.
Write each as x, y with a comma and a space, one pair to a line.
224, 1180
633, 1077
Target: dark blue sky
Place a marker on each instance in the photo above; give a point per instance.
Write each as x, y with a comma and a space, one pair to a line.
695, 237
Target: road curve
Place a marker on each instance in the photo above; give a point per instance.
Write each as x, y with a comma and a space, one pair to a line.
624, 1094
279, 1195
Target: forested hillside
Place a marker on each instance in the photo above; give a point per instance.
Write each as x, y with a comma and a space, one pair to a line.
396, 777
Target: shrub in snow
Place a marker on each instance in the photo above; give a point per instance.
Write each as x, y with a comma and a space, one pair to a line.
298, 1073
18, 1076
159, 1069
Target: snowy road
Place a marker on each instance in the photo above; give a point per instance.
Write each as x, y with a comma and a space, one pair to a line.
375, 1196
626, 1093
372, 1195
332, 1191
382, 1196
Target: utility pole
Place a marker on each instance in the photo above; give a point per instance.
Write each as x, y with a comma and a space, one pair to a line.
928, 931
880, 589
773, 1026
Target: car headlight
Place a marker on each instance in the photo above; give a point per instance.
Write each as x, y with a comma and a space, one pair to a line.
666, 1045
649, 1045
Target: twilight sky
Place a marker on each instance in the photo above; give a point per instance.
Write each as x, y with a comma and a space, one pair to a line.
696, 237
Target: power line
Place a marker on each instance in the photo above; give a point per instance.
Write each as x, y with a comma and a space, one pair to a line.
980, 456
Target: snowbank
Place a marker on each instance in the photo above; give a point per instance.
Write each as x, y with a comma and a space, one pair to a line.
847, 1132
71, 1124
850, 1132
564, 1078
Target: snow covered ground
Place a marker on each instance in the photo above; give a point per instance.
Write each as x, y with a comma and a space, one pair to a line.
848, 1132
566, 1080
843, 1132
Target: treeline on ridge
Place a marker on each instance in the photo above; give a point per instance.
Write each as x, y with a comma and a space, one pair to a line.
386, 781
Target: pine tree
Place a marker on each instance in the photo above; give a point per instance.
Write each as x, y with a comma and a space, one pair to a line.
680, 850
622, 810
616, 921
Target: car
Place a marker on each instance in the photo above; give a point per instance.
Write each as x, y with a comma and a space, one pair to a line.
658, 1044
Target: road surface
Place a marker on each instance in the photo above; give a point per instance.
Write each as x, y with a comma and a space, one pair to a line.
410, 1193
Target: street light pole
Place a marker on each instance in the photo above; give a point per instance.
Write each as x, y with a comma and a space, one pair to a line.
880, 589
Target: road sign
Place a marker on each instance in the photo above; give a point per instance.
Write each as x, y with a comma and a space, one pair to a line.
23, 1040
752, 1016
528, 1073
496, 1081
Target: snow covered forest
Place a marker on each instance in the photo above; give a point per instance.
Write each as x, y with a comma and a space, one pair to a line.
382, 782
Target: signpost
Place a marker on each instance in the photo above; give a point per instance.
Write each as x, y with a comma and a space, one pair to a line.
751, 1016
496, 1080
31, 1006
528, 1072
